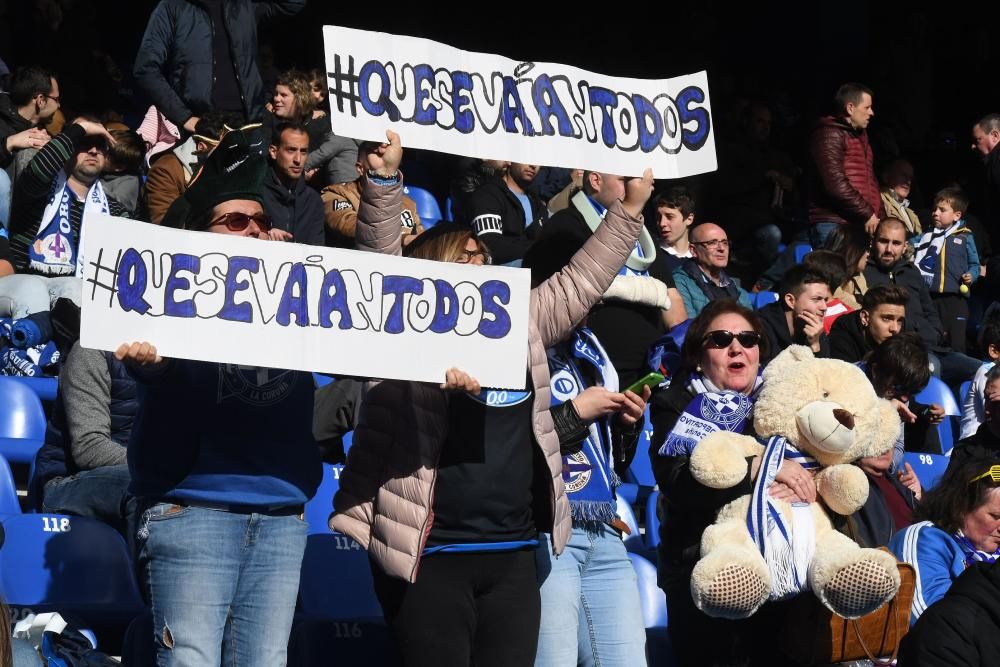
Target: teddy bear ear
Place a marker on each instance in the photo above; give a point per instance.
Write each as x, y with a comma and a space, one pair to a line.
791, 355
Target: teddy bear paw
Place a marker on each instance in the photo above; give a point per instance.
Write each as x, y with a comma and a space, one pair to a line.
735, 592
859, 589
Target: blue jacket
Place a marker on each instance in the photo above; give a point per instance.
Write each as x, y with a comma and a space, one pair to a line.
696, 292
935, 556
174, 64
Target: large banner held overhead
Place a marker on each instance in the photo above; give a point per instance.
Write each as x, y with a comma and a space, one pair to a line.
482, 105
236, 300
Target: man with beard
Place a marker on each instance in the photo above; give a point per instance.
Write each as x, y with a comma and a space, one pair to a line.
506, 216
293, 206
888, 266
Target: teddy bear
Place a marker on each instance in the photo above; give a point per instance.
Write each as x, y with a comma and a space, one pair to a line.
822, 412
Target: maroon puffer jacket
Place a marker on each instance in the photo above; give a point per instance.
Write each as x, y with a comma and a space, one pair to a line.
843, 187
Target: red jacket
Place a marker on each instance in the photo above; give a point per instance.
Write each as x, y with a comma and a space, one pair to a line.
843, 186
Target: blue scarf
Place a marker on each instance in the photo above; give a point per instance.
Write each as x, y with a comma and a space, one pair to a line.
55, 250
588, 474
711, 410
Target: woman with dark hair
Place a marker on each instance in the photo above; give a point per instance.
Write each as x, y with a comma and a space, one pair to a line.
719, 374
959, 525
448, 487
851, 243
317, 84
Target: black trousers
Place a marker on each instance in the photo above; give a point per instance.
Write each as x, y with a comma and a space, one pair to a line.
477, 609
953, 309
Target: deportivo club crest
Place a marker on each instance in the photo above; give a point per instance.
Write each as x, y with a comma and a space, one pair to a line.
725, 409
576, 471
254, 385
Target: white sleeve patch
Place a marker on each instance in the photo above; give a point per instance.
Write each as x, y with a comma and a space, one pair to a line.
487, 224
406, 219
342, 205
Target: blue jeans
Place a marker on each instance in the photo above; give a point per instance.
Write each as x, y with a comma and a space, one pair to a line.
221, 585
25, 294
953, 368
101, 493
591, 614
818, 232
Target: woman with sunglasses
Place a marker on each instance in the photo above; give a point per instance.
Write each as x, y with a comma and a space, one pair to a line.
222, 460
957, 525
448, 486
713, 389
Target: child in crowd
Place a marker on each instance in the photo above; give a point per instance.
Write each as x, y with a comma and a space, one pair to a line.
674, 217
974, 400
948, 260
122, 178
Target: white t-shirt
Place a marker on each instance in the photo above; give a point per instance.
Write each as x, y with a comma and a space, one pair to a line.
974, 403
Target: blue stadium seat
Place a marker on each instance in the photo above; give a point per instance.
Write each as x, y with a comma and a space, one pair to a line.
51, 562
22, 421
447, 210
320, 506
336, 580
764, 298
45, 387
8, 491
633, 542
652, 521
641, 468
963, 391
321, 380
427, 206
938, 392
654, 613
929, 467
801, 250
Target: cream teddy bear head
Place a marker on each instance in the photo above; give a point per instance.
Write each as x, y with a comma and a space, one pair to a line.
825, 407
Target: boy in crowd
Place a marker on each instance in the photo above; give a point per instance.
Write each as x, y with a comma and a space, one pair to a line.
949, 263
974, 401
674, 217
797, 316
122, 177
882, 315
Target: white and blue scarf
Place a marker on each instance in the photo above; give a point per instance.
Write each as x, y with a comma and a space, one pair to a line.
787, 548
588, 474
972, 554
711, 410
55, 250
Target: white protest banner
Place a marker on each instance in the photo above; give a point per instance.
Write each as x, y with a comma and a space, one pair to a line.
229, 299
482, 105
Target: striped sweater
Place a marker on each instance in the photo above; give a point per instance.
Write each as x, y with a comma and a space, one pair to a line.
32, 192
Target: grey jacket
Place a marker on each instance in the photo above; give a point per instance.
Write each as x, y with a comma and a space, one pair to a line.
387, 488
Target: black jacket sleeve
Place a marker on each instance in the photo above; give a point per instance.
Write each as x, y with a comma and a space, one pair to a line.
151, 64
488, 212
945, 635
311, 229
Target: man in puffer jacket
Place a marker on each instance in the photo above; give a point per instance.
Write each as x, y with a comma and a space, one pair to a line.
843, 187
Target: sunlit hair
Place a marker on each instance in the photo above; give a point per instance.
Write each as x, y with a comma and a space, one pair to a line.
301, 89
446, 247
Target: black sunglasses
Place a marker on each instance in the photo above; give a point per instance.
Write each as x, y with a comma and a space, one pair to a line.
722, 339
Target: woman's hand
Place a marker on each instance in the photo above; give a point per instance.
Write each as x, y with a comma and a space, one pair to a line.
456, 380
277, 235
798, 479
637, 193
634, 406
138, 354
596, 402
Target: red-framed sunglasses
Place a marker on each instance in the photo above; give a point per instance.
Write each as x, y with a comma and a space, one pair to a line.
237, 222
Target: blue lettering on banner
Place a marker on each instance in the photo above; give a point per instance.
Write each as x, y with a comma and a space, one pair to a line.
304, 294
527, 104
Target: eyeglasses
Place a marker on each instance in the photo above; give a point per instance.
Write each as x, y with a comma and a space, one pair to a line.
237, 222
55, 98
100, 145
722, 339
713, 244
993, 473
468, 255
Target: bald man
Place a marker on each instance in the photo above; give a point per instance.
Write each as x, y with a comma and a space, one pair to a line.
704, 278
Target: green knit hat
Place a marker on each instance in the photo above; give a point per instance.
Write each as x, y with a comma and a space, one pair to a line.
235, 169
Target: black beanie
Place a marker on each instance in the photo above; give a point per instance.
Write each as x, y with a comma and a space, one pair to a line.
235, 169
